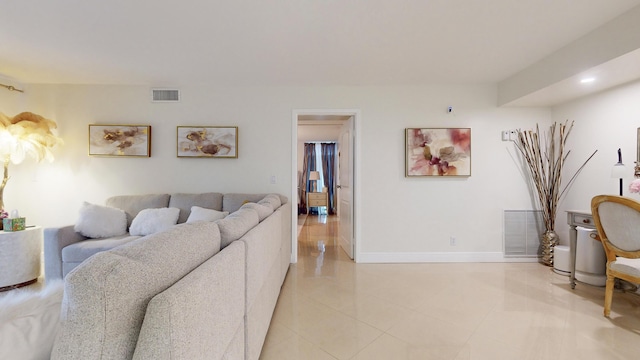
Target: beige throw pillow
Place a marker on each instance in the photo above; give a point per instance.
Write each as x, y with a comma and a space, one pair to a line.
202, 214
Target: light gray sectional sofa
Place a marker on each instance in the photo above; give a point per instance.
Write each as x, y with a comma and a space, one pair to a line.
198, 290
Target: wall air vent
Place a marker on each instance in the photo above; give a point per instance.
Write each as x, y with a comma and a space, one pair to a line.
522, 231
165, 95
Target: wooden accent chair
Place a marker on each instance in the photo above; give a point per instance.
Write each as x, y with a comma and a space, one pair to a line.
618, 223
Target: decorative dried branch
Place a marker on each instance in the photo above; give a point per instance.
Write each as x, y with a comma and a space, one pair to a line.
546, 167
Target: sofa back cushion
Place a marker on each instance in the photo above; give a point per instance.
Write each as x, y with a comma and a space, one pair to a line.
199, 316
263, 210
105, 297
272, 200
132, 204
184, 202
236, 224
233, 201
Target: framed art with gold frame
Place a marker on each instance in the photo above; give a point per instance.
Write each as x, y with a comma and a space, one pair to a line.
120, 140
207, 141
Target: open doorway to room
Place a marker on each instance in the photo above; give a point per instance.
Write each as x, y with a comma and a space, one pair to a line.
324, 159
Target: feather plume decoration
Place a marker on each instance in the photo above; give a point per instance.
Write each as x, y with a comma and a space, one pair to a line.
27, 134
24, 134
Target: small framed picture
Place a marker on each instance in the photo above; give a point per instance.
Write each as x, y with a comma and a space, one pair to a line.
438, 152
120, 140
208, 141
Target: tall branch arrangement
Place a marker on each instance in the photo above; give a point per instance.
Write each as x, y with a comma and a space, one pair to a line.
545, 160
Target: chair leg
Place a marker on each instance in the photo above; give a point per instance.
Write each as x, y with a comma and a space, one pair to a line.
608, 294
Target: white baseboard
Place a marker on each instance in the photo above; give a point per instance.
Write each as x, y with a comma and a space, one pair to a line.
440, 257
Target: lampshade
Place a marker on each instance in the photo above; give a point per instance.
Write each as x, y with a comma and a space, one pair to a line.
314, 175
618, 171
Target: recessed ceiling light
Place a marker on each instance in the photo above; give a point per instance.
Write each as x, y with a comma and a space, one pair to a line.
587, 80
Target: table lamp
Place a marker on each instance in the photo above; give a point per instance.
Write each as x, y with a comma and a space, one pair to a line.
314, 176
619, 170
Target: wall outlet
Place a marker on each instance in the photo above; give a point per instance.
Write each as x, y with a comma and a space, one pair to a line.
513, 135
452, 241
272, 179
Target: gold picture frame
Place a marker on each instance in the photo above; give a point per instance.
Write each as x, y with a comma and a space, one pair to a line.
120, 140
207, 141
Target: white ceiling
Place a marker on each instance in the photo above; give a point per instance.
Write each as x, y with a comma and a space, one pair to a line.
288, 42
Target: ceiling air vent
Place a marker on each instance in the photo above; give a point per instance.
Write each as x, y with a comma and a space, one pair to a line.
165, 95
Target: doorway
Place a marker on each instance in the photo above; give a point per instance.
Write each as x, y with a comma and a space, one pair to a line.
348, 185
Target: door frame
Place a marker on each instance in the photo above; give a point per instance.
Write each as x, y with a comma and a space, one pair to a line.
356, 174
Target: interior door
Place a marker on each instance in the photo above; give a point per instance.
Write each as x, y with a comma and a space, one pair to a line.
345, 187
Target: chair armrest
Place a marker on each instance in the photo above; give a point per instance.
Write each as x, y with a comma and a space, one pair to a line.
55, 239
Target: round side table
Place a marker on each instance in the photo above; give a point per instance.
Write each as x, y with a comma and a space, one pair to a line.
20, 257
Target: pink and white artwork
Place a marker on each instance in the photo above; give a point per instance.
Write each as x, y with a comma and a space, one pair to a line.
438, 152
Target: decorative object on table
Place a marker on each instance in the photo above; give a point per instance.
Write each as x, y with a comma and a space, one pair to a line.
545, 160
634, 187
438, 152
636, 170
314, 176
120, 140
25, 134
3, 215
208, 141
619, 170
14, 222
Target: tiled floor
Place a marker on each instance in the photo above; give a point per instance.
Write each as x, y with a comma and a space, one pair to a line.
332, 308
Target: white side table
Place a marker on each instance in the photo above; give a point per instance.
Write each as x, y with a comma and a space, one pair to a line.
20, 257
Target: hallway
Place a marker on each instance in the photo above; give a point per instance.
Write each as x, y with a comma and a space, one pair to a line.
332, 308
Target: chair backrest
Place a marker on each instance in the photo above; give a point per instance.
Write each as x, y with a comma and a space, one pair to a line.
617, 220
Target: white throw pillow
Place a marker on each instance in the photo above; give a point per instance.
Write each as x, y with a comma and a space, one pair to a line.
202, 214
151, 221
98, 221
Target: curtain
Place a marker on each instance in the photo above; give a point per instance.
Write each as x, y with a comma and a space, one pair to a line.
328, 151
309, 164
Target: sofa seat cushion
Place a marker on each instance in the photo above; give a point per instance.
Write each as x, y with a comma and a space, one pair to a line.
80, 251
184, 202
236, 224
133, 204
105, 297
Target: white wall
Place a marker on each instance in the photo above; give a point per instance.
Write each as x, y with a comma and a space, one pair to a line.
605, 122
402, 219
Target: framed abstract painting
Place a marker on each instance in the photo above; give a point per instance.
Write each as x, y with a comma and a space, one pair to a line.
438, 152
208, 141
120, 140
